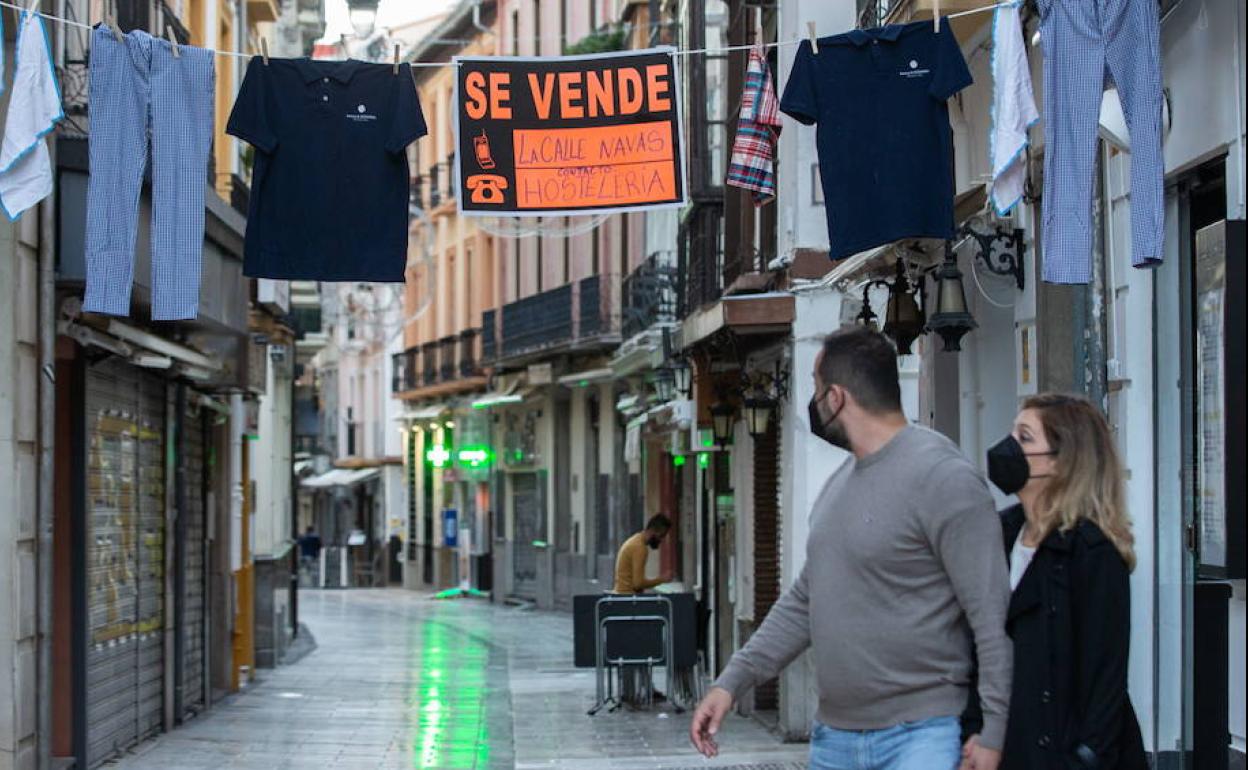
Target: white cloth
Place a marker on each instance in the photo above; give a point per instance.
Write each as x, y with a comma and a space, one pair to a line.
34, 109
1020, 560
1013, 108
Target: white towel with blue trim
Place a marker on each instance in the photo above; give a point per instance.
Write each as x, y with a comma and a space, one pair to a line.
34, 109
1013, 108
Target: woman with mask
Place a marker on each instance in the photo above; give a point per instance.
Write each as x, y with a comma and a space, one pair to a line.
1070, 552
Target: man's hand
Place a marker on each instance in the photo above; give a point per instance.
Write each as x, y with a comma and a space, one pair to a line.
707, 718
976, 757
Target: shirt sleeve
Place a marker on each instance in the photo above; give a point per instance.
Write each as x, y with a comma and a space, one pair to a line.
951, 74
966, 537
249, 119
408, 123
784, 634
801, 99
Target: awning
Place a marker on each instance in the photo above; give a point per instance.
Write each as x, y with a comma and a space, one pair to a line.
587, 377
341, 477
497, 399
423, 414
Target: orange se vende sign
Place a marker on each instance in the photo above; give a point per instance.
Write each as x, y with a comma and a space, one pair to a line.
568, 135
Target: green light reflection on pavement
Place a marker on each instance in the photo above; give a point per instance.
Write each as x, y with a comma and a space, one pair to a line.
449, 699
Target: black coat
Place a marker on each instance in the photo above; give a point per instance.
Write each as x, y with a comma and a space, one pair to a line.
1070, 620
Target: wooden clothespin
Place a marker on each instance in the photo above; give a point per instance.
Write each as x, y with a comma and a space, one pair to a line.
396, 58
33, 9
758, 25
264, 50
814, 43
936, 16
173, 42
110, 19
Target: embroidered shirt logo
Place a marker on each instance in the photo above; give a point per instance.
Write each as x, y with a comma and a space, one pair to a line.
362, 115
914, 71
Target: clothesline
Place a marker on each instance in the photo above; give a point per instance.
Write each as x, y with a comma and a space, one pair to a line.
680, 52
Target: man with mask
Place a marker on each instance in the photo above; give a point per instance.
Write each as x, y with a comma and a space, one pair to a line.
630, 563
903, 588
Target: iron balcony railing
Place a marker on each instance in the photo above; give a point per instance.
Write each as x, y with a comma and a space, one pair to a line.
437, 185
575, 314
536, 322
701, 273
446, 350
649, 294
469, 359
429, 356
406, 374
489, 336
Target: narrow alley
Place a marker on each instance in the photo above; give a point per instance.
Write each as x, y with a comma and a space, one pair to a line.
400, 680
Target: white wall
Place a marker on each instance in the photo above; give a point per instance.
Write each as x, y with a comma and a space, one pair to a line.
801, 222
273, 464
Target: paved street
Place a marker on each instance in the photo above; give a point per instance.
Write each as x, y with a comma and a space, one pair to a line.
399, 680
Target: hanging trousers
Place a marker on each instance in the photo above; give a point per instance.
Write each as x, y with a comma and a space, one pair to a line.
149, 110
1087, 45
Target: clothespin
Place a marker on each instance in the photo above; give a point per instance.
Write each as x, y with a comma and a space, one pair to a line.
936, 16
758, 25
173, 41
264, 50
396, 58
814, 44
110, 19
33, 9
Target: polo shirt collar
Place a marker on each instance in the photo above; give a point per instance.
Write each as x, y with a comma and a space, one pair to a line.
888, 33
341, 71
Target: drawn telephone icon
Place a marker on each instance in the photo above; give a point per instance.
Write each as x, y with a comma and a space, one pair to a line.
481, 146
487, 188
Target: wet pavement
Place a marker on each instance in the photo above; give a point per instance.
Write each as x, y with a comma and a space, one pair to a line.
400, 680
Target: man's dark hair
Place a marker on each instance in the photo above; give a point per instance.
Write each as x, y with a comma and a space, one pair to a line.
659, 522
864, 362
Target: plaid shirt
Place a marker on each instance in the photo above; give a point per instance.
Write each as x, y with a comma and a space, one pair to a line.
753, 152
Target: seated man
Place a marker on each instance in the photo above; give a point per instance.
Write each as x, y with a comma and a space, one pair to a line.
630, 579
630, 564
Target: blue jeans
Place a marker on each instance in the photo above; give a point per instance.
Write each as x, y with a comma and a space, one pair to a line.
933, 744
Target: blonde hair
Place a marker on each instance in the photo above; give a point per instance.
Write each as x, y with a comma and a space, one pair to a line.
1087, 482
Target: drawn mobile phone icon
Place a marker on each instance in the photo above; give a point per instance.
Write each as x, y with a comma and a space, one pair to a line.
481, 145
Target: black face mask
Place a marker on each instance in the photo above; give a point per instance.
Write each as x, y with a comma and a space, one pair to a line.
1008, 467
830, 431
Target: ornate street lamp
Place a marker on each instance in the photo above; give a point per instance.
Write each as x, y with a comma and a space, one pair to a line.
757, 413
866, 316
723, 417
951, 320
664, 385
903, 320
682, 375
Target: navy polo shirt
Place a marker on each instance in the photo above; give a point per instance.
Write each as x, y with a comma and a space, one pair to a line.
329, 191
885, 147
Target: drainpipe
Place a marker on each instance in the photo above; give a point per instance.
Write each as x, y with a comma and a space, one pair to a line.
476, 19
47, 435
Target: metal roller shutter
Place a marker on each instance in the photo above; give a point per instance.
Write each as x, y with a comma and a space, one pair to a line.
197, 481
125, 557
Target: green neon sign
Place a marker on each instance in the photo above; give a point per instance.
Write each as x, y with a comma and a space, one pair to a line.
438, 456
475, 456
678, 460
704, 460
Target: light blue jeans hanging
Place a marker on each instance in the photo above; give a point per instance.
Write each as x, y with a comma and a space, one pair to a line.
146, 105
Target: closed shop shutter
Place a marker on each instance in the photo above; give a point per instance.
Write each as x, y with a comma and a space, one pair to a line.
125, 557
766, 542
529, 514
193, 618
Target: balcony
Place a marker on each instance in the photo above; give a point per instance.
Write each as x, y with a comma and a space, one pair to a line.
701, 275
649, 295
574, 317
436, 186
429, 354
446, 348
449, 365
